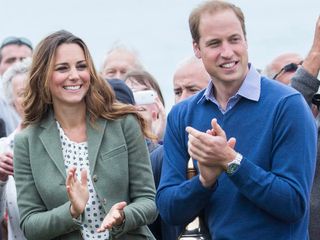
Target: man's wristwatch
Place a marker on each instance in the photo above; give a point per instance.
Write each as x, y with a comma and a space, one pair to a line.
234, 164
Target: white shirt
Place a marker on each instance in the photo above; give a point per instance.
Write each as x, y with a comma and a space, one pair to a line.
76, 154
8, 195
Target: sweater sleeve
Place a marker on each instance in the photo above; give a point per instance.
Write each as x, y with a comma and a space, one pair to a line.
175, 193
277, 183
283, 191
305, 83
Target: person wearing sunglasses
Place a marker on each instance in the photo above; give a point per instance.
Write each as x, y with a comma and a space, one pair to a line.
306, 82
12, 49
303, 77
283, 67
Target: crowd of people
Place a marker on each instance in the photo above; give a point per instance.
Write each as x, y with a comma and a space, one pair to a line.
90, 153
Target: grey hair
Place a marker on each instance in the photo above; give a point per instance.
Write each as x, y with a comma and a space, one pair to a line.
21, 67
119, 46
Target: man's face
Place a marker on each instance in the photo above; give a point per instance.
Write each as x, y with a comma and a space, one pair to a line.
189, 79
117, 65
11, 54
222, 47
283, 60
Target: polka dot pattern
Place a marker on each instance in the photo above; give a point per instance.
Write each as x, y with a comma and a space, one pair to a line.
76, 154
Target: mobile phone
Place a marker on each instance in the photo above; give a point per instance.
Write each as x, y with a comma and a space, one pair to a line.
144, 97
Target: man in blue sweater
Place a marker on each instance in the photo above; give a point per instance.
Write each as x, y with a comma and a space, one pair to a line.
253, 141
305, 81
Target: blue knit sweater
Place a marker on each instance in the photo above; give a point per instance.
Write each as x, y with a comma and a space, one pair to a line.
268, 197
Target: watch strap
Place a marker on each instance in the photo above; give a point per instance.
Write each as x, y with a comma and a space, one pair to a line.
233, 166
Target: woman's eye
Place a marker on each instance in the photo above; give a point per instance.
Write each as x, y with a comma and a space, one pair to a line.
82, 66
61, 69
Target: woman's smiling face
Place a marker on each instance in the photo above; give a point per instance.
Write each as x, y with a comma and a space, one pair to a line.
70, 78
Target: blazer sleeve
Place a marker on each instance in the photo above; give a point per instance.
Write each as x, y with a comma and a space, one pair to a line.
3, 198
142, 209
35, 220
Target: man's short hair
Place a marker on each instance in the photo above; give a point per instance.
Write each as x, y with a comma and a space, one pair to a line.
212, 6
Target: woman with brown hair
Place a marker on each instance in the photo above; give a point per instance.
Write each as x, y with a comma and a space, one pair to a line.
81, 164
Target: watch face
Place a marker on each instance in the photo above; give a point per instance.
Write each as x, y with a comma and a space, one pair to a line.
232, 168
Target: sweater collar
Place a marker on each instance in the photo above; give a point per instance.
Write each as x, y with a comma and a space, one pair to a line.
250, 88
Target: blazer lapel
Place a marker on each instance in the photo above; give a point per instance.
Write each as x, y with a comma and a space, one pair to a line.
51, 141
95, 135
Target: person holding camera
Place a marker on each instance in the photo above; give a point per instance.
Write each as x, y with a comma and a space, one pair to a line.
149, 102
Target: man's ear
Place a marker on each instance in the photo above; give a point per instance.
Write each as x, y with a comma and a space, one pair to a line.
196, 50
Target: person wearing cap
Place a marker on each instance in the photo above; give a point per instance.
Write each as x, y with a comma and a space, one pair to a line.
122, 91
12, 49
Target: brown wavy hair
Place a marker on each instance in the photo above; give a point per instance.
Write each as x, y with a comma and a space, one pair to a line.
100, 99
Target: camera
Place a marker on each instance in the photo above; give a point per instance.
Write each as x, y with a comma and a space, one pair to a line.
144, 97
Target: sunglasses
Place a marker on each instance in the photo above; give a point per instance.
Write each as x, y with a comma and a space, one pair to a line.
16, 40
291, 67
316, 100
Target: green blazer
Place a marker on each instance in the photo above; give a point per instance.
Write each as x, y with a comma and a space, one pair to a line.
119, 168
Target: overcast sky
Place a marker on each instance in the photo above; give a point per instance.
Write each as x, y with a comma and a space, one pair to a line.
158, 30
